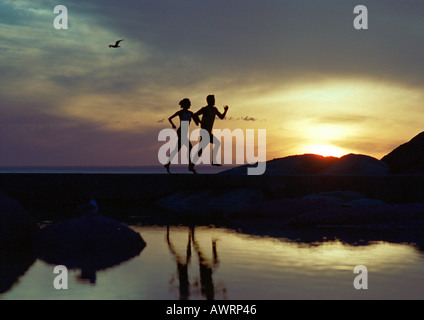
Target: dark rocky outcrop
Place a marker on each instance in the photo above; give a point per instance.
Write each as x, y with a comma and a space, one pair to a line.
408, 158
16, 225
90, 243
14, 264
347, 209
285, 209
357, 164
208, 201
297, 164
306, 164
382, 216
347, 198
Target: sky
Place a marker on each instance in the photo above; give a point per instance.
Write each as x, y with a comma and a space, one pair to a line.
298, 69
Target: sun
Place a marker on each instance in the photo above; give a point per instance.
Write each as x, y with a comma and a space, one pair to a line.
325, 150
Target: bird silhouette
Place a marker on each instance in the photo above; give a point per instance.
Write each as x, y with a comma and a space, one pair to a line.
116, 45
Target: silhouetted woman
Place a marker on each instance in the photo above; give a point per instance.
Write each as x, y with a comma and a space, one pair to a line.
185, 115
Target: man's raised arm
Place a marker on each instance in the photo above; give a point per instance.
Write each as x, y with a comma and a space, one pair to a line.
222, 115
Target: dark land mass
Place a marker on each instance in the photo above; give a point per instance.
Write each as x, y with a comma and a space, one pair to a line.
306, 197
408, 158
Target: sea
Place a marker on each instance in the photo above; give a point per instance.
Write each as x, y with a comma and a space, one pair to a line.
152, 169
220, 263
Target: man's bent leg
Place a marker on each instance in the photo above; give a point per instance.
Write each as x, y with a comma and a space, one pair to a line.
216, 145
203, 143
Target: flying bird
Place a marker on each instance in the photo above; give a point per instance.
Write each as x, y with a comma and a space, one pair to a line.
116, 45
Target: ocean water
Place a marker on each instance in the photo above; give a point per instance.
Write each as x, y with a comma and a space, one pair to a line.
202, 169
202, 262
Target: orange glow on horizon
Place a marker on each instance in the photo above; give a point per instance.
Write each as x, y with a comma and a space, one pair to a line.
325, 150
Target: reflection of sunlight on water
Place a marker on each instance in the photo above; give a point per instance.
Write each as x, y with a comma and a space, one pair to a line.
218, 263
327, 255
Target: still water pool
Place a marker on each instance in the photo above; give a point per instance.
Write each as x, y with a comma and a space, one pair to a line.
219, 263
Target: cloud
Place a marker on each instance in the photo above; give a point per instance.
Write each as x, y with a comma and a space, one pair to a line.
75, 87
280, 38
45, 140
342, 118
245, 118
192, 41
184, 45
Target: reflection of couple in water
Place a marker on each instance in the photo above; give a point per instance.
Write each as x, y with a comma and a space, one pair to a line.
206, 267
208, 114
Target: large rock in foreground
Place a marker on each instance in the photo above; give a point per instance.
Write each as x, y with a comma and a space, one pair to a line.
90, 243
13, 265
408, 158
16, 225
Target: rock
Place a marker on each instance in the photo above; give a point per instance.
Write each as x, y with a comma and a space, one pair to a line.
391, 216
189, 201
16, 226
210, 201
297, 164
236, 199
357, 164
346, 198
339, 197
337, 208
351, 164
281, 209
408, 158
14, 264
90, 243
276, 188
365, 202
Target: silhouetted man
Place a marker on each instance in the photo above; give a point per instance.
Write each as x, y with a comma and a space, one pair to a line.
208, 114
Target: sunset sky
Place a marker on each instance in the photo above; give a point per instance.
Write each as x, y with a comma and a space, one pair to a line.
298, 69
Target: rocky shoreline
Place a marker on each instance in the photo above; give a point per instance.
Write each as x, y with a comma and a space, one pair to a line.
55, 196
302, 191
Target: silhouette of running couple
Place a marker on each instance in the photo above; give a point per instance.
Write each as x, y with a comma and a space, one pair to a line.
207, 120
